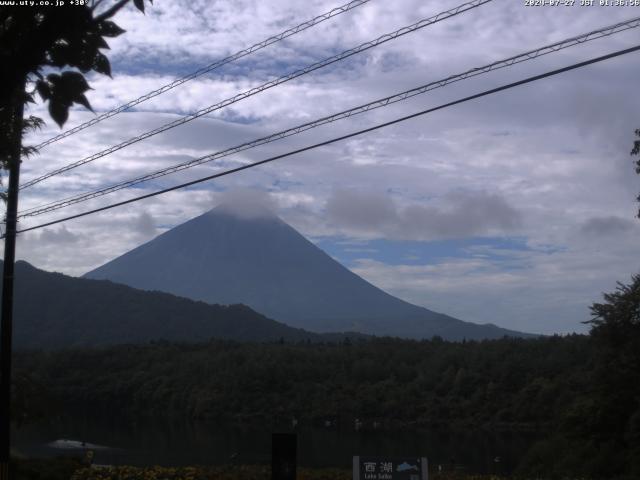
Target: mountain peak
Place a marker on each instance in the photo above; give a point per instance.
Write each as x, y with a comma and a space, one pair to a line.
253, 213
247, 204
241, 252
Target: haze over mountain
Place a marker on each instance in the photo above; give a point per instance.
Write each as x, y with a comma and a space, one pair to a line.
243, 254
53, 310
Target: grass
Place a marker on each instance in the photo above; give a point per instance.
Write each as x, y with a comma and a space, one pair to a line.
244, 472
44, 469
73, 469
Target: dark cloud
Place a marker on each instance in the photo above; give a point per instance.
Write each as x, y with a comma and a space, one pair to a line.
145, 225
460, 215
248, 203
59, 235
361, 210
601, 226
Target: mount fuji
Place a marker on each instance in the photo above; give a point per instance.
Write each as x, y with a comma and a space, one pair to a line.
223, 257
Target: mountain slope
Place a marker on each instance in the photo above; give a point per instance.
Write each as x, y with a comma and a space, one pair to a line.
221, 257
53, 310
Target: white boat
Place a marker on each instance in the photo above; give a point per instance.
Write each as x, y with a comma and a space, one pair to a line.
66, 444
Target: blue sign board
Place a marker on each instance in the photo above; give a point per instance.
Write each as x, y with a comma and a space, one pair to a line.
382, 468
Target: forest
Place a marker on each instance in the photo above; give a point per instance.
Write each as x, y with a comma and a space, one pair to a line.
500, 384
580, 391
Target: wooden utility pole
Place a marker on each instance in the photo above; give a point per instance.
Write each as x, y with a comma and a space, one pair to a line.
6, 323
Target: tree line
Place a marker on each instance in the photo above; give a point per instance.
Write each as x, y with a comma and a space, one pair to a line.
581, 392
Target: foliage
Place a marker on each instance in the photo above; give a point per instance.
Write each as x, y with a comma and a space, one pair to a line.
616, 331
244, 472
581, 390
36, 42
615, 414
41, 469
39, 39
510, 383
562, 386
567, 387
636, 151
599, 435
620, 312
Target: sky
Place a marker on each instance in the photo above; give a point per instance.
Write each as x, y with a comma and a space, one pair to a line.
516, 209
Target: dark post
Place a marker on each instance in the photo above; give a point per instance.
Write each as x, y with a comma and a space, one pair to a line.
283, 456
6, 323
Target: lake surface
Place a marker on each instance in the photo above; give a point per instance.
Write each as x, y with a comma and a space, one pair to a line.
177, 443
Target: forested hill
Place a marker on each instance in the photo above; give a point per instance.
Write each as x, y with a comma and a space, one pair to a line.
502, 383
579, 395
54, 310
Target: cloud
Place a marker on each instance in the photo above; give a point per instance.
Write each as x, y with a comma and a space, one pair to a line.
248, 203
602, 226
361, 210
534, 290
144, 225
460, 214
58, 236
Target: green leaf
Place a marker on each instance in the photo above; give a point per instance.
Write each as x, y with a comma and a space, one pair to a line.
99, 42
85, 60
59, 112
82, 100
74, 82
101, 64
32, 123
53, 79
59, 55
65, 90
109, 29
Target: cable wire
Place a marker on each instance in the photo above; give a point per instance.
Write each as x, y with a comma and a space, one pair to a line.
530, 55
212, 66
265, 86
344, 137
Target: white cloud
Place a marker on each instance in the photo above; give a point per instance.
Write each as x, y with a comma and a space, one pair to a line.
532, 290
458, 215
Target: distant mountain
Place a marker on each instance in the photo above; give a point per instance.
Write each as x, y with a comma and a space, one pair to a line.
260, 261
54, 310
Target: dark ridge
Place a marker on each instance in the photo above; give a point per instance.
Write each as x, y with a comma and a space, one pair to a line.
53, 310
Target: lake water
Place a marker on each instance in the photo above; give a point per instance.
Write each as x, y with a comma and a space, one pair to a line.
177, 443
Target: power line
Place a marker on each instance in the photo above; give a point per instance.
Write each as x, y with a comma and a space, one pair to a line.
265, 86
530, 55
344, 137
212, 66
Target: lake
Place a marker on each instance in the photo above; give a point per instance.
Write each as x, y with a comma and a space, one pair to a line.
178, 443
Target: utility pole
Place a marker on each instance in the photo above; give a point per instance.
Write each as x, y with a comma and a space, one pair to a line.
6, 323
